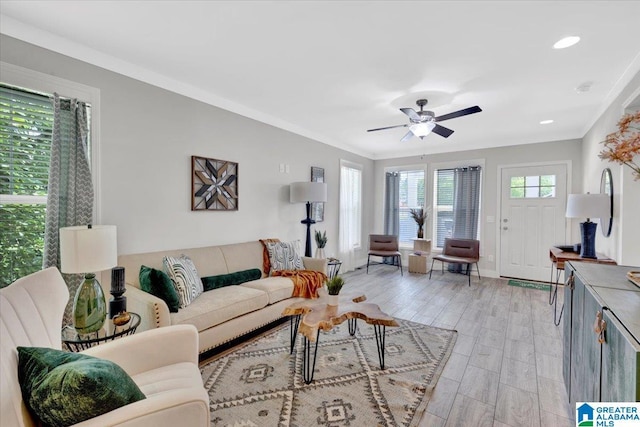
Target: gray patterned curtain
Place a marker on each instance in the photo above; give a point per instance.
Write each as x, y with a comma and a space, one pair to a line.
466, 204
70, 191
391, 207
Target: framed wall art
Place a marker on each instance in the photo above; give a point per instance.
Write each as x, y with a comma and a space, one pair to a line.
214, 184
317, 208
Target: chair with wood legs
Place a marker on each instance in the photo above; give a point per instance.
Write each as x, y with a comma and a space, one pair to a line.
459, 251
384, 245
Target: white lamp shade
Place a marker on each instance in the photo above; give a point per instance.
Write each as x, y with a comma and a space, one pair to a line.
302, 192
588, 206
88, 250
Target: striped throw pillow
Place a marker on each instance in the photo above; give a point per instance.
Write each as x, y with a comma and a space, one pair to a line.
285, 256
185, 278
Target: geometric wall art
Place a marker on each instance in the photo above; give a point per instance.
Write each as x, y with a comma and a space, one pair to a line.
214, 184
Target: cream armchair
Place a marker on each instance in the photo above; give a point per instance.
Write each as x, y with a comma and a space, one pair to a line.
162, 362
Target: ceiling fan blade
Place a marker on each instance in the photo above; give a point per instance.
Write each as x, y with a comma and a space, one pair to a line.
407, 136
411, 113
388, 127
442, 131
459, 113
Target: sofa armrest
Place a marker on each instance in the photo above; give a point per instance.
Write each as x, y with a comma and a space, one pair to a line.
185, 406
315, 264
151, 349
153, 311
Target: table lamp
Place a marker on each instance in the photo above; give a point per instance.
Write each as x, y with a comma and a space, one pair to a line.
308, 192
87, 250
588, 206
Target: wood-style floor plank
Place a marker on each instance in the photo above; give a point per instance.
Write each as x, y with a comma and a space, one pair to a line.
506, 366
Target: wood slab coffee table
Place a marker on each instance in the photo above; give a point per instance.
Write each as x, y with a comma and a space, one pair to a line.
311, 316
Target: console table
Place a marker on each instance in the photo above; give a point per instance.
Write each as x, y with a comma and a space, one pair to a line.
558, 259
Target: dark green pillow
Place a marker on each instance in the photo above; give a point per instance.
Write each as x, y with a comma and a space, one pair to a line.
157, 283
62, 388
222, 280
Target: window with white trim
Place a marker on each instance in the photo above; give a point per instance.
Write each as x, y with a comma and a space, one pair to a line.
350, 207
411, 196
443, 205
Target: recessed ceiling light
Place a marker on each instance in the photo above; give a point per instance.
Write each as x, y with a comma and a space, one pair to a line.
546, 122
566, 42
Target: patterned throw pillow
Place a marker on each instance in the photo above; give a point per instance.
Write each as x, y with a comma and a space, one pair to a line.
185, 278
285, 256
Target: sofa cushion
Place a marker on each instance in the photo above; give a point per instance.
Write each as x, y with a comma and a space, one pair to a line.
219, 305
285, 255
185, 278
237, 278
63, 388
157, 283
278, 288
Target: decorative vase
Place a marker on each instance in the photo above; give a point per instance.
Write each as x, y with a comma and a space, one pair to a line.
420, 232
320, 253
89, 306
332, 299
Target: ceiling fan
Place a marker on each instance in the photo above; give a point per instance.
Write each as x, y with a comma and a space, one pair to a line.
422, 123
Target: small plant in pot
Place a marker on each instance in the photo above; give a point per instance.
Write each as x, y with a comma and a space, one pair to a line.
321, 242
420, 216
334, 285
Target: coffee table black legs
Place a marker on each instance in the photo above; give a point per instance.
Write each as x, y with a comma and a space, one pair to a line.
294, 322
309, 360
380, 338
308, 364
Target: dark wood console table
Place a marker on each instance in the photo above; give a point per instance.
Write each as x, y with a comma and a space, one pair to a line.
558, 259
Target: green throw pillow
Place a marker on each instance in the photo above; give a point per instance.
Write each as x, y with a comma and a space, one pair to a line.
222, 280
158, 283
62, 388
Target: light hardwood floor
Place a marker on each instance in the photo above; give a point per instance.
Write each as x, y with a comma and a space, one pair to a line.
506, 367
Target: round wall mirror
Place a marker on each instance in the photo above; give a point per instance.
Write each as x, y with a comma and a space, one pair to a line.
606, 187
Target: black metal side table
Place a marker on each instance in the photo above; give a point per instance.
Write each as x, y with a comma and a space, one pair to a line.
77, 342
333, 267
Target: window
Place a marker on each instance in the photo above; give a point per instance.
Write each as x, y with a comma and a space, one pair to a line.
350, 207
443, 205
530, 187
412, 196
26, 123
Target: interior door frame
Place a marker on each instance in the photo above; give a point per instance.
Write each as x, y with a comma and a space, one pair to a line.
567, 229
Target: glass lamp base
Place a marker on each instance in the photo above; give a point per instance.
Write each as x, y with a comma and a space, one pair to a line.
89, 306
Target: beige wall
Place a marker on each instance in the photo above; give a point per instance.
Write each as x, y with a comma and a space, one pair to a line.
147, 138
624, 243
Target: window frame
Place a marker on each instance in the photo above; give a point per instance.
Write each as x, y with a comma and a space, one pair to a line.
411, 168
358, 167
36, 81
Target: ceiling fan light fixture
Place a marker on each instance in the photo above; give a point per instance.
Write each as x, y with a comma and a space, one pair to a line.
566, 42
422, 129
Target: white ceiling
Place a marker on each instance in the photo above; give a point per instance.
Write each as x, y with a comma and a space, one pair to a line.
330, 70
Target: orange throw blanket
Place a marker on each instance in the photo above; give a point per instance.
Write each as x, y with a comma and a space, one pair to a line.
305, 282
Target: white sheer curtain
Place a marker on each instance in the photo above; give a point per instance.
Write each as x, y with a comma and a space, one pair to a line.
350, 228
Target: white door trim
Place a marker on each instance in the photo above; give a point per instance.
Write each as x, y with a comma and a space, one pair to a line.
567, 163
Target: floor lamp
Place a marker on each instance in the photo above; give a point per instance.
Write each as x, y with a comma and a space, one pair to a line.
308, 192
588, 206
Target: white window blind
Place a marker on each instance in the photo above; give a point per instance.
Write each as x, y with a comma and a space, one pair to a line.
412, 196
26, 124
443, 205
350, 207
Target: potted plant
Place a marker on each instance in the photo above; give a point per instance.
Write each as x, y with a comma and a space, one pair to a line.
334, 285
419, 215
321, 242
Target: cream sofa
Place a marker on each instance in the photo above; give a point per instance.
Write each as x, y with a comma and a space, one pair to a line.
163, 362
222, 314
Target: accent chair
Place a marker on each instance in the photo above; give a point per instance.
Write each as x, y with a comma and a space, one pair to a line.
459, 251
384, 245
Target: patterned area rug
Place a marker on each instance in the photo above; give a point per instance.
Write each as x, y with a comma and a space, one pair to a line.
260, 383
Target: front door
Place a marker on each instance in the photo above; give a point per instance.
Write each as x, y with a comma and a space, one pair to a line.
533, 201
